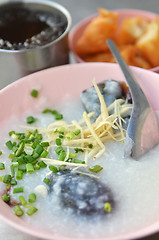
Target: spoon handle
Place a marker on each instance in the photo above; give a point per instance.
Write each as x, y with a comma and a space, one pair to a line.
137, 94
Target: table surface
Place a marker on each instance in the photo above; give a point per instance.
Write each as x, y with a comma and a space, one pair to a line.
79, 10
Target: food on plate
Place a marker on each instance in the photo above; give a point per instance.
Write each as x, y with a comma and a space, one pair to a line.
148, 43
63, 170
132, 29
101, 28
136, 37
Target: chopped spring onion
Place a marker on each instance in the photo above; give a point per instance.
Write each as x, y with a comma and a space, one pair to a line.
36, 167
30, 120
30, 168
20, 149
96, 169
78, 150
58, 150
18, 190
11, 132
61, 167
7, 178
12, 170
34, 93
72, 155
44, 154
58, 142
90, 145
31, 211
47, 110
0, 153
42, 164
19, 174
53, 169
18, 211
39, 149
9, 144
2, 166
45, 144
58, 116
46, 180
78, 161
77, 132
62, 156
32, 198
22, 200
13, 182
6, 198
70, 135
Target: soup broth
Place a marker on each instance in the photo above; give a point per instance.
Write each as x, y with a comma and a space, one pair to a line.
22, 27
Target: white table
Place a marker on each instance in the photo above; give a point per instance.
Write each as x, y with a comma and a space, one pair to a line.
80, 9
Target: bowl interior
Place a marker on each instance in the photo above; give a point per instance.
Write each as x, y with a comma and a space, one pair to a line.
78, 30
73, 79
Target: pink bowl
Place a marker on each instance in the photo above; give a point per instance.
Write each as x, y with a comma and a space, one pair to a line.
73, 79
78, 30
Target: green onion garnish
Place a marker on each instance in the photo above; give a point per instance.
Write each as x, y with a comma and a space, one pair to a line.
58, 150
77, 132
31, 211
18, 190
20, 149
58, 116
12, 170
6, 198
18, 211
30, 119
53, 169
34, 93
13, 182
7, 178
0, 153
62, 156
70, 135
19, 174
61, 167
46, 180
22, 200
96, 169
44, 154
32, 198
42, 164
78, 150
39, 149
78, 161
2, 166
72, 155
30, 168
58, 142
90, 145
9, 144
45, 144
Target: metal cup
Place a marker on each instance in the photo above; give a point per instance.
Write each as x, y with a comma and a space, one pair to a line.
15, 64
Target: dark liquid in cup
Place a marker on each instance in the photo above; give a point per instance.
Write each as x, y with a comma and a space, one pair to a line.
25, 28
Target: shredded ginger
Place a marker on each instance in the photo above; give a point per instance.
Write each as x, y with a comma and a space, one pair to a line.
107, 127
